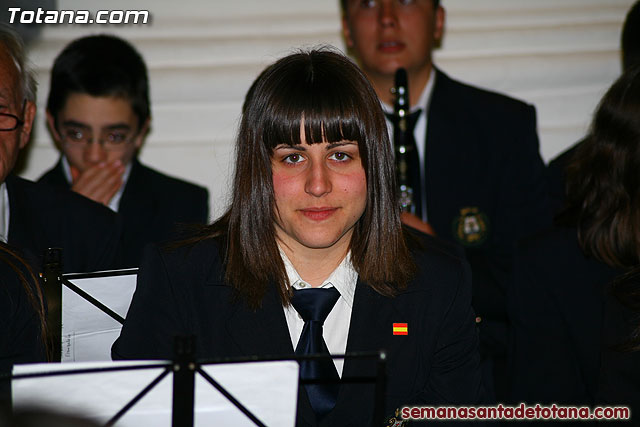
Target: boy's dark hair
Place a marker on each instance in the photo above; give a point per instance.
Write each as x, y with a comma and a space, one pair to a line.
99, 66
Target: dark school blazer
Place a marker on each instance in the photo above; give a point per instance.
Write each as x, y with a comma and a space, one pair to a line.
619, 382
557, 176
41, 217
152, 206
485, 182
182, 292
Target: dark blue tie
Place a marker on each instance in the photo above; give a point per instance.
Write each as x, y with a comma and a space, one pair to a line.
314, 305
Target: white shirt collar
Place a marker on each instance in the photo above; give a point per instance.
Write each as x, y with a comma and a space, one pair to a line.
114, 203
343, 278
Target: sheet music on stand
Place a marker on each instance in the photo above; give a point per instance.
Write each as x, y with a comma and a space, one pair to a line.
268, 389
93, 308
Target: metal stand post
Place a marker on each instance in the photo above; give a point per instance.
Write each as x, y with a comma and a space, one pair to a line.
184, 369
52, 278
380, 389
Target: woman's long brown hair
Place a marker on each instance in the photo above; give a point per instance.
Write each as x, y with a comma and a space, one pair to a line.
337, 103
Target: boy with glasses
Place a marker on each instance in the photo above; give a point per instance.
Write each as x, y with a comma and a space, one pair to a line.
98, 113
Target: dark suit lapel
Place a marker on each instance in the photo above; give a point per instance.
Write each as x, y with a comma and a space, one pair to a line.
447, 164
264, 332
24, 220
135, 201
18, 210
261, 332
25, 226
139, 214
371, 329
56, 176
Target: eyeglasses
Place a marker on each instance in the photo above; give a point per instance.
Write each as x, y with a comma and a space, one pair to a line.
9, 122
110, 140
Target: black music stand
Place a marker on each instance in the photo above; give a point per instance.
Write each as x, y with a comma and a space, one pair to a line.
184, 368
52, 281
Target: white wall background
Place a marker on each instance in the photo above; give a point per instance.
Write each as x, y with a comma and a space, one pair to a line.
560, 55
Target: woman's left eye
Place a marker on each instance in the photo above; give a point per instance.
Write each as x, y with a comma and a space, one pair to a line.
340, 156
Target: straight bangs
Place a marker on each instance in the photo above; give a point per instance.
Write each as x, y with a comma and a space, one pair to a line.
329, 105
333, 100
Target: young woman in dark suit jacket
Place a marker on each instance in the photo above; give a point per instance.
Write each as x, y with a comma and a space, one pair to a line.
314, 206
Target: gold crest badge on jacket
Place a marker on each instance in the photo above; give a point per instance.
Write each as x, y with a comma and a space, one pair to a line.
471, 226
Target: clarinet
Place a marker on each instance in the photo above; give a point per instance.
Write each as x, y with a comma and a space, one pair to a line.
401, 110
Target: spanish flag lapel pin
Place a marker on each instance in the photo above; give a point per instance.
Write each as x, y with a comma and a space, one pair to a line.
400, 329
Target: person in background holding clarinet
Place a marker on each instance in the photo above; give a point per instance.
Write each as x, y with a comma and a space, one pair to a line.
481, 181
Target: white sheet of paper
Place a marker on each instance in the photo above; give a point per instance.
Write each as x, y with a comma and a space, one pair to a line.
87, 332
267, 389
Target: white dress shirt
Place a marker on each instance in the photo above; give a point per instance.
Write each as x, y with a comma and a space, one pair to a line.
336, 327
419, 132
4, 213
